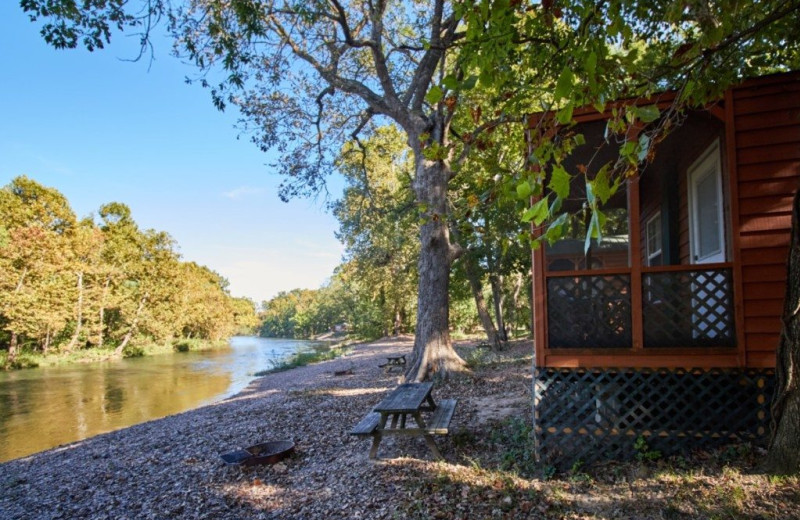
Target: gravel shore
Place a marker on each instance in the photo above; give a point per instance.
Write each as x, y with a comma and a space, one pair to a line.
170, 467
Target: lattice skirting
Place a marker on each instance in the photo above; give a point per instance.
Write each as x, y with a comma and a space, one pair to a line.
591, 415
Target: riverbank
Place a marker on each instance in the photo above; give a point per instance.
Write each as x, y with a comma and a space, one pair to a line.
170, 468
26, 359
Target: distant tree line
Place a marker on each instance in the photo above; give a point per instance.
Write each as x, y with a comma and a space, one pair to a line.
101, 282
374, 291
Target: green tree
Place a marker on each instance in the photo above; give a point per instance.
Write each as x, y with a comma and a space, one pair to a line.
277, 315
245, 317
86, 263
202, 305
330, 68
38, 224
582, 53
316, 63
379, 225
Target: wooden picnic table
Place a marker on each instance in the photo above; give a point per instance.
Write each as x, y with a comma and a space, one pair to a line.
408, 399
393, 362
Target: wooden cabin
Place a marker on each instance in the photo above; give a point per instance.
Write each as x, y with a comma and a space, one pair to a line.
668, 331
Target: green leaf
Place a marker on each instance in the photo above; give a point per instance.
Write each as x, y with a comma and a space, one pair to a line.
591, 63
644, 147
536, 213
559, 182
555, 207
524, 190
627, 149
450, 82
648, 113
556, 228
469, 83
600, 104
564, 84
594, 231
600, 185
434, 95
564, 116
487, 78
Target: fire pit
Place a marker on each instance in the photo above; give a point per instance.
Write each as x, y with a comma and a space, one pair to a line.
264, 453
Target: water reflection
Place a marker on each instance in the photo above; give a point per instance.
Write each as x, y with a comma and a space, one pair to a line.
46, 407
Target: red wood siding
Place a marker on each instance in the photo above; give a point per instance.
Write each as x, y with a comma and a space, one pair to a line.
766, 126
760, 153
695, 139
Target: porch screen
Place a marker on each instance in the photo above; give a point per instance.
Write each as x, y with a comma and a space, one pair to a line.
589, 311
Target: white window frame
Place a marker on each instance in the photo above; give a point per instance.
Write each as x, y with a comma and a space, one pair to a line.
659, 251
709, 158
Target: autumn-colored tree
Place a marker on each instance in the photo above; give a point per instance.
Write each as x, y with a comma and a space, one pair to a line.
38, 223
71, 284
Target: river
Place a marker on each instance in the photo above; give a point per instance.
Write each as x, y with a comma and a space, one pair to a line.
45, 407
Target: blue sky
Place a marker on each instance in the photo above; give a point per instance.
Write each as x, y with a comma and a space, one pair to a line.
100, 129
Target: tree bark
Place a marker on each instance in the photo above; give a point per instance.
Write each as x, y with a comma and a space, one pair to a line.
783, 456
12, 350
12, 344
519, 281
398, 322
101, 325
79, 315
480, 302
433, 351
46, 344
497, 295
127, 338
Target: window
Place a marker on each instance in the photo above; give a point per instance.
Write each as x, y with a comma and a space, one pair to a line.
706, 220
653, 239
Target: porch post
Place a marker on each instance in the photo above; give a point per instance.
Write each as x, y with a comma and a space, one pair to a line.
635, 259
538, 301
733, 220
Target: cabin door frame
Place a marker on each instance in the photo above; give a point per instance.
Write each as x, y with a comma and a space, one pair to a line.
706, 234
706, 208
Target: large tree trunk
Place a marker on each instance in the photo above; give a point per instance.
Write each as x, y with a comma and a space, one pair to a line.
102, 317
46, 343
397, 326
783, 456
12, 350
433, 352
497, 295
473, 277
127, 338
519, 281
12, 344
78, 315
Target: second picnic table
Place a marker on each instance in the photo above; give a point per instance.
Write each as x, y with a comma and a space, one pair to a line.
392, 362
407, 399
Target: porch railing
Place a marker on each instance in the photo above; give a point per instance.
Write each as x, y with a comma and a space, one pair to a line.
682, 306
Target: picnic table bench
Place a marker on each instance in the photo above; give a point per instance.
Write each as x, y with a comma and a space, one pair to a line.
407, 399
393, 362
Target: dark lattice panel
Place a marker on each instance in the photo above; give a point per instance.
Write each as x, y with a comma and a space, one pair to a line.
589, 311
688, 309
593, 415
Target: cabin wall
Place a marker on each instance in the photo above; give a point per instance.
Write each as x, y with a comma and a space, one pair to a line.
592, 404
766, 131
674, 156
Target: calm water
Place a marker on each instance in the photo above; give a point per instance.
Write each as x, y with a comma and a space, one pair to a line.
44, 407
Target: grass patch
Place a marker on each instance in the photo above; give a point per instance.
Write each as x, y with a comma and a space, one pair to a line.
301, 359
196, 345
514, 437
27, 359
24, 360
